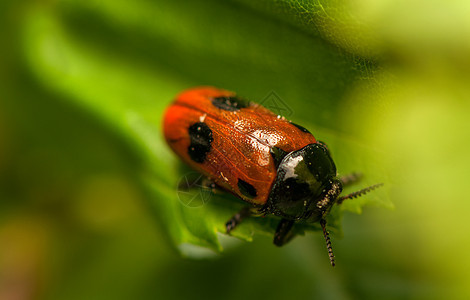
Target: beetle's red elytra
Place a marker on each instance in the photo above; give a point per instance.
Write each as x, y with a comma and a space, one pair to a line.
275, 165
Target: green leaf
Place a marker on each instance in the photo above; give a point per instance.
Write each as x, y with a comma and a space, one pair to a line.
123, 62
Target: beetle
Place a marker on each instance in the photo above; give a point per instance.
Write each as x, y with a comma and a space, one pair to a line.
275, 165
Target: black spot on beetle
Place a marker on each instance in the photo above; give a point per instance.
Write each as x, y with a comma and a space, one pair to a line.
246, 189
229, 103
201, 141
303, 129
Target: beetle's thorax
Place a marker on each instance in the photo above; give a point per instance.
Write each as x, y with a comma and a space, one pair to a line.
305, 185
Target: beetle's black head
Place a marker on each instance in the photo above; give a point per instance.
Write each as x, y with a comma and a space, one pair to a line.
306, 185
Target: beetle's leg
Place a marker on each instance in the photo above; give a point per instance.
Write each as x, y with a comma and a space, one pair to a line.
237, 218
350, 178
283, 232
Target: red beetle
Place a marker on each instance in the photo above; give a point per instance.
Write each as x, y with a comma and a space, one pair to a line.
277, 166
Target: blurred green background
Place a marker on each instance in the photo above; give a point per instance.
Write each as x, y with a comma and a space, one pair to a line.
88, 202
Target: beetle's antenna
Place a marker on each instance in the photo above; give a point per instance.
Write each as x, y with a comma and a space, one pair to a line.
328, 242
358, 193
